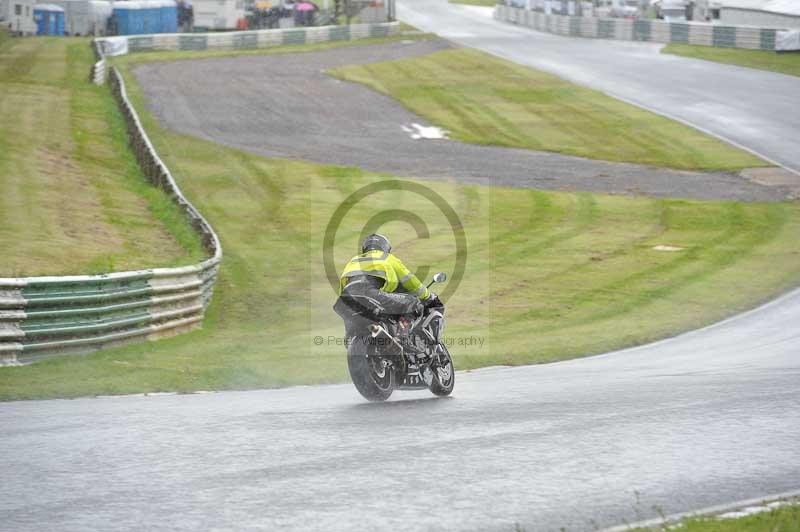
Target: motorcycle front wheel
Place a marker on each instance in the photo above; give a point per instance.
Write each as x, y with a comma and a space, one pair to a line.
371, 377
444, 374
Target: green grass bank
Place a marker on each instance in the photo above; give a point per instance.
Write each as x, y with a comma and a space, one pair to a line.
785, 63
485, 100
73, 199
549, 275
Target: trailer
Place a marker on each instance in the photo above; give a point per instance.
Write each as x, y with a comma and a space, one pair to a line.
17, 16
217, 14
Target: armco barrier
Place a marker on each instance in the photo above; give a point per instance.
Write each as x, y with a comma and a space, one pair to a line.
47, 316
642, 30
233, 40
98, 73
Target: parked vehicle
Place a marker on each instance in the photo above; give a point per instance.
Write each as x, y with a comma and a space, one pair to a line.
218, 14
17, 16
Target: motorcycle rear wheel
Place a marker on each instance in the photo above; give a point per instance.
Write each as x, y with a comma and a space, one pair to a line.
371, 378
444, 373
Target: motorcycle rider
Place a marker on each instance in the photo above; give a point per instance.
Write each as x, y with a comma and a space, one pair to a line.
377, 283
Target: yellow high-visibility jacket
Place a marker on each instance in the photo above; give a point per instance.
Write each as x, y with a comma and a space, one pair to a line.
385, 266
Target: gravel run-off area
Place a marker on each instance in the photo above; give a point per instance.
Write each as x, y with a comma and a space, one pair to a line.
285, 105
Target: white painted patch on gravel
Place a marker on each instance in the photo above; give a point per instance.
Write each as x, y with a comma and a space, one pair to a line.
667, 248
417, 132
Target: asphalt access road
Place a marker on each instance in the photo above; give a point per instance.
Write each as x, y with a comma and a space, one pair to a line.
703, 419
754, 108
284, 105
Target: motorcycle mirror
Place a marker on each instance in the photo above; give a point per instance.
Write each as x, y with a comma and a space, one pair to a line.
439, 277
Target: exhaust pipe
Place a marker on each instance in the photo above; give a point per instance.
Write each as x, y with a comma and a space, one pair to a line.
376, 330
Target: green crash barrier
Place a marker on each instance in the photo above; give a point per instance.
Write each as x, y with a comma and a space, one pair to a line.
294, 37
339, 33
679, 33
378, 30
724, 36
642, 30
605, 29
192, 42
47, 316
245, 40
575, 26
137, 44
767, 38
233, 40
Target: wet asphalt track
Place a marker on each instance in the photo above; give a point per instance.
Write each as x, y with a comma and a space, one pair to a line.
756, 109
285, 105
707, 418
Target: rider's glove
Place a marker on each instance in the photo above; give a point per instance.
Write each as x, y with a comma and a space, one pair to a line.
433, 300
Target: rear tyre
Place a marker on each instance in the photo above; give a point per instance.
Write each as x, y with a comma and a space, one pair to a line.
371, 377
444, 374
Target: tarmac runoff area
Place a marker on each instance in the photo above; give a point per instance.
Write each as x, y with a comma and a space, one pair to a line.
285, 106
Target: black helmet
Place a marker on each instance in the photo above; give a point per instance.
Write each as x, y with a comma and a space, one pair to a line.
376, 241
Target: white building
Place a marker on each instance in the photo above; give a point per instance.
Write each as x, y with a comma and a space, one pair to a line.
673, 10
611, 8
217, 14
17, 16
764, 13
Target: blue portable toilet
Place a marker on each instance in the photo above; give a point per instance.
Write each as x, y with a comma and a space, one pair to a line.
169, 16
59, 23
151, 17
129, 18
41, 16
49, 19
120, 13
137, 20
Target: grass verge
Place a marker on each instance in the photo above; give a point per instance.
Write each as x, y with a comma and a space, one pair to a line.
785, 63
486, 100
74, 200
549, 275
781, 519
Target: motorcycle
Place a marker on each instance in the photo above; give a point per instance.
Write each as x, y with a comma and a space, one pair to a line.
402, 352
